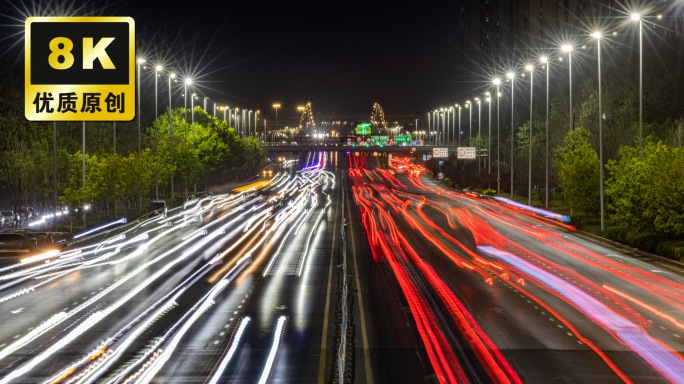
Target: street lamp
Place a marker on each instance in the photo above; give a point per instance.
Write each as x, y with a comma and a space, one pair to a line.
597, 36
511, 76
256, 121
428, 120
479, 130
547, 63
140, 62
443, 113
171, 77
530, 68
459, 123
637, 17
157, 69
192, 116
468, 105
568, 48
188, 81
489, 136
276, 106
249, 122
452, 115
236, 121
497, 82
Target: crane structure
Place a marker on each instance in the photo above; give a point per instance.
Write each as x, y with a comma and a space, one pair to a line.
307, 123
378, 120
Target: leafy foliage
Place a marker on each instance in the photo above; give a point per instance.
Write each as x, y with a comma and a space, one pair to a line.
578, 170
648, 194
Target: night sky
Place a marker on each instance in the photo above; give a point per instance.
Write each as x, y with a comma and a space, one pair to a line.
340, 56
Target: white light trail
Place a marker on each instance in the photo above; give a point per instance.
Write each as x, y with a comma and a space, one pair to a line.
216, 375
277, 338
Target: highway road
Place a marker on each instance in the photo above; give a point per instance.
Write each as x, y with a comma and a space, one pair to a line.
231, 288
244, 287
500, 294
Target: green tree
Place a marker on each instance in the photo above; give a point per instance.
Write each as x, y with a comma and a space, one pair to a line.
140, 171
577, 165
646, 195
75, 192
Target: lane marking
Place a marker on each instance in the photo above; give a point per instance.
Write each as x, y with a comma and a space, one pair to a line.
362, 315
324, 339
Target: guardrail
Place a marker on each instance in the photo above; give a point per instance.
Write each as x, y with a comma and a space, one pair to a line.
342, 349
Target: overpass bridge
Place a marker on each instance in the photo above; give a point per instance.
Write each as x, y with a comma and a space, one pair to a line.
419, 149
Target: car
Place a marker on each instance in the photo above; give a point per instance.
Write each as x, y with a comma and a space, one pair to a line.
6, 219
157, 206
17, 242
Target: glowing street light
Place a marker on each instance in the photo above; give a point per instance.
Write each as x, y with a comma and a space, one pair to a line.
568, 48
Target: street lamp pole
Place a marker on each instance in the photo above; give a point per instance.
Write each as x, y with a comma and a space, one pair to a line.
459, 125
249, 122
568, 48
171, 77
597, 36
256, 122
469, 105
276, 106
489, 136
445, 127
158, 69
530, 68
185, 109
547, 62
428, 120
511, 76
140, 62
192, 116
479, 131
236, 121
416, 126
444, 116
497, 82
637, 17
